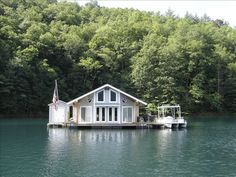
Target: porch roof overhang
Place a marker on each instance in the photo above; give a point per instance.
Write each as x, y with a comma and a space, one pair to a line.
104, 86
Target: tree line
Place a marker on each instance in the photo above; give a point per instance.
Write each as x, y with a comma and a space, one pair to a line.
162, 59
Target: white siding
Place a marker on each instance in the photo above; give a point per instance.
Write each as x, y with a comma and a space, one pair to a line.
58, 114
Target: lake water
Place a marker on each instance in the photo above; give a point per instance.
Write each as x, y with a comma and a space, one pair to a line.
206, 148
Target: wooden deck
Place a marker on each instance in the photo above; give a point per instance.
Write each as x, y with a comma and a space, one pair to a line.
114, 125
108, 126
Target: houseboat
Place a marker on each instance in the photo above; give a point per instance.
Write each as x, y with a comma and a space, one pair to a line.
104, 106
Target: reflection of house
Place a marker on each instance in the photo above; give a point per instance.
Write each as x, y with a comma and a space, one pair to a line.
105, 104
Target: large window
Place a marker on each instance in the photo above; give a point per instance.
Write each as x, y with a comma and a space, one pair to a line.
101, 96
127, 114
86, 114
113, 97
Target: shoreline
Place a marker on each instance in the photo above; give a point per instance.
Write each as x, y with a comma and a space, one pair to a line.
45, 115
24, 116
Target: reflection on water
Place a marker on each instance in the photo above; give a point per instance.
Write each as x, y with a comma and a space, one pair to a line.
91, 152
109, 152
207, 148
58, 135
169, 138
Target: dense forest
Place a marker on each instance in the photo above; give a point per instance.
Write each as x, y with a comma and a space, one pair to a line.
161, 59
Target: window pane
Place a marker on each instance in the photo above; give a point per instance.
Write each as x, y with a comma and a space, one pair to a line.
87, 114
71, 111
113, 96
125, 113
100, 96
129, 114
115, 114
103, 114
110, 114
97, 114
83, 111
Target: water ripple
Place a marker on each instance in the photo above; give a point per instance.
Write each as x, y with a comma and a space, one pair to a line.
208, 148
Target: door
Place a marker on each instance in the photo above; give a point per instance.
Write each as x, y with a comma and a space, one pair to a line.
101, 114
112, 114
127, 114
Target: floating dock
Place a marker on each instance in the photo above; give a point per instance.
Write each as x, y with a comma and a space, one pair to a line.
116, 126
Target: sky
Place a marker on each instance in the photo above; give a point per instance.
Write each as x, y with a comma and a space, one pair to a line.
225, 10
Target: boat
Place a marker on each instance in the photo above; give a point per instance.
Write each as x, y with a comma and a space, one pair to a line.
169, 116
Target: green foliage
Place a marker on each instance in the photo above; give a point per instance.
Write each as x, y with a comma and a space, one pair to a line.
162, 59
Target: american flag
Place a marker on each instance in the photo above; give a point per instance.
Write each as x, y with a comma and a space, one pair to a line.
55, 97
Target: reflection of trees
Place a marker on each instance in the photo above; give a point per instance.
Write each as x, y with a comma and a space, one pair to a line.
88, 151
121, 152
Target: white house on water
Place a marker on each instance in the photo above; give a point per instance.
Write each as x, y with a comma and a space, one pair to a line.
104, 105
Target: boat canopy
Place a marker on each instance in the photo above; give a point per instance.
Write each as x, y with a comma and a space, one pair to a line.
169, 110
168, 106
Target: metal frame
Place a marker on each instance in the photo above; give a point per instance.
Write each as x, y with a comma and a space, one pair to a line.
162, 110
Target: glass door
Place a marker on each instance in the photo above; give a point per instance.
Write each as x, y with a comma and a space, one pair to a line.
127, 114
100, 114
112, 114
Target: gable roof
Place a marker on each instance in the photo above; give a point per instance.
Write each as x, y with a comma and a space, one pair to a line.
107, 85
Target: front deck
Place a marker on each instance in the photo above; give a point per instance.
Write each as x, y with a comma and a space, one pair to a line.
144, 125
109, 126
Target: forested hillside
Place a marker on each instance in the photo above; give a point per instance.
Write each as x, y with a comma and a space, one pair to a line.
158, 58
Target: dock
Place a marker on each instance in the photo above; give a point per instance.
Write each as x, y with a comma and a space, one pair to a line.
150, 125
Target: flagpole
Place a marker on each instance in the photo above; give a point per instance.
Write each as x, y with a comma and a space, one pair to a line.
57, 89
55, 98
